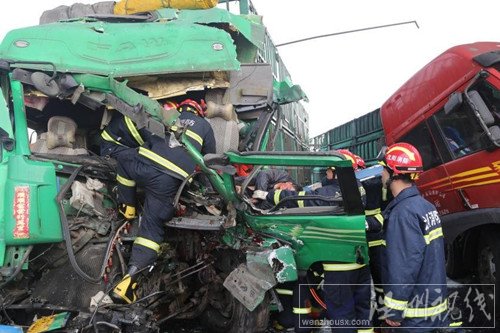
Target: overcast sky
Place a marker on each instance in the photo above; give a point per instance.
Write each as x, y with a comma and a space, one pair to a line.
349, 75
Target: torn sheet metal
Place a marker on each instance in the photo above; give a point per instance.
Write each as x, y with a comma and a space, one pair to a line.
251, 30
251, 85
144, 111
281, 260
286, 92
198, 222
248, 283
166, 87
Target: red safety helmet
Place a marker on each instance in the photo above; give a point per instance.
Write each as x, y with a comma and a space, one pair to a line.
243, 170
349, 156
403, 158
169, 105
193, 106
360, 162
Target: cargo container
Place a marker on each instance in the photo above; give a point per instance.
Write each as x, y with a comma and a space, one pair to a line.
293, 121
364, 136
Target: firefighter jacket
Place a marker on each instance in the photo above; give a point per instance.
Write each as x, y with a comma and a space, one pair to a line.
374, 217
120, 134
266, 179
414, 277
174, 159
329, 192
325, 181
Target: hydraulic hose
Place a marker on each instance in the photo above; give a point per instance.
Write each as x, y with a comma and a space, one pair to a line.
181, 188
67, 235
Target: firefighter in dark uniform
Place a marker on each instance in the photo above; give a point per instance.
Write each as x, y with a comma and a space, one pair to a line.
414, 263
329, 178
120, 140
160, 169
302, 301
347, 287
274, 196
375, 202
266, 180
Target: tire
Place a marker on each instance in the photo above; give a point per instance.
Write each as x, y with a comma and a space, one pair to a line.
488, 263
235, 318
455, 265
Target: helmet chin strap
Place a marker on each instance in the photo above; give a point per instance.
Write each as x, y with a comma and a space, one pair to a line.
388, 182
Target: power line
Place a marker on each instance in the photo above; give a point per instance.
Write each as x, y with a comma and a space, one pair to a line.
347, 32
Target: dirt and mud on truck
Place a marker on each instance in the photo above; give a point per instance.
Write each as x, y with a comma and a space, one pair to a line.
63, 245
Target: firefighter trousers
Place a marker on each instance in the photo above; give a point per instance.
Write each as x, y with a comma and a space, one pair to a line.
306, 311
347, 296
300, 309
125, 158
375, 253
285, 295
160, 189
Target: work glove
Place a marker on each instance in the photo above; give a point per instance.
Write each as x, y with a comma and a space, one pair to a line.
259, 194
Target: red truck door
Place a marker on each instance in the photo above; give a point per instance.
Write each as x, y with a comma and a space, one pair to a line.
474, 166
433, 181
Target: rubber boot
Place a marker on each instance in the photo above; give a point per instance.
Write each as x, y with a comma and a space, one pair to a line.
127, 211
124, 292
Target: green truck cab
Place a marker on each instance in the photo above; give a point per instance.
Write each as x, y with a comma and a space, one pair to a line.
61, 238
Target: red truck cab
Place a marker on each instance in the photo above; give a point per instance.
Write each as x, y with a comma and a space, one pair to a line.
450, 110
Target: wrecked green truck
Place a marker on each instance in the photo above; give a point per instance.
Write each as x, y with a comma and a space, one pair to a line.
63, 245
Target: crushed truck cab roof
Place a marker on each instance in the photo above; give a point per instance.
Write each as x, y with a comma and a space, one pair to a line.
177, 41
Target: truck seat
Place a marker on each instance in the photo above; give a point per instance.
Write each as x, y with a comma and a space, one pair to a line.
59, 139
224, 122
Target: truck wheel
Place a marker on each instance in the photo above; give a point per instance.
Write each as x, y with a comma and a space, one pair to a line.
454, 262
233, 317
487, 264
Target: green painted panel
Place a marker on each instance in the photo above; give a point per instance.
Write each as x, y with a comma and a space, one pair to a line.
286, 92
102, 48
38, 182
6, 125
318, 238
291, 159
251, 30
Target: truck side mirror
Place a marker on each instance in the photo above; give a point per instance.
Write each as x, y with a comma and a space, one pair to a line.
480, 108
495, 134
453, 103
5, 142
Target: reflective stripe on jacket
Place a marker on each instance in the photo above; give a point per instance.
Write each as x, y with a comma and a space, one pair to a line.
329, 191
122, 131
175, 160
415, 278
